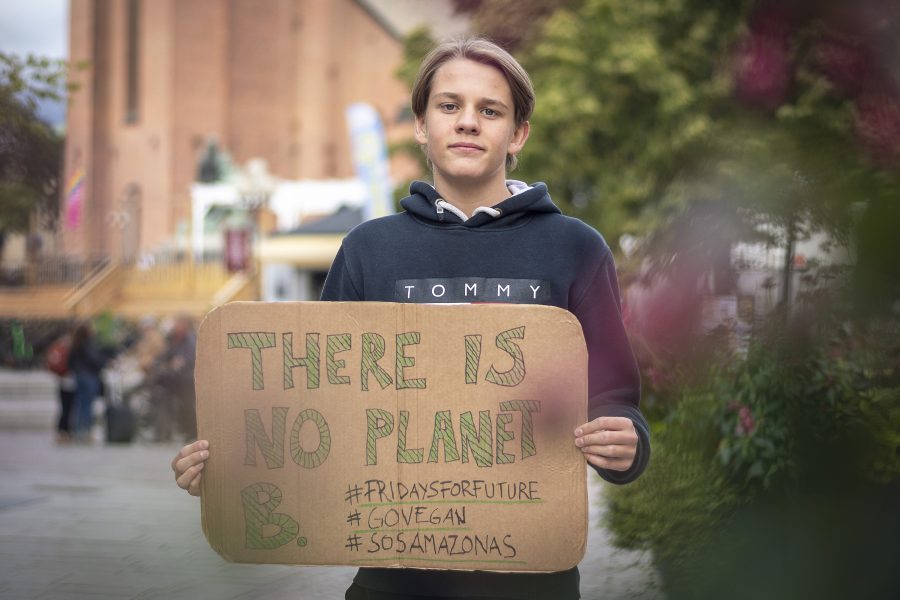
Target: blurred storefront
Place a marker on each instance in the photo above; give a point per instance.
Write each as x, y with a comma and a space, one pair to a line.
144, 224
268, 80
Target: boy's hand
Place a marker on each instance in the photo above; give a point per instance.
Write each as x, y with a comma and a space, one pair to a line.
188, 466
608, 442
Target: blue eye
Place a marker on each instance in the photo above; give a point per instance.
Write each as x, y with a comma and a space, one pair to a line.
489, 112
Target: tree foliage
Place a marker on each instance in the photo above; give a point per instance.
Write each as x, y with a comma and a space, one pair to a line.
631, 97
645, 107
30, 150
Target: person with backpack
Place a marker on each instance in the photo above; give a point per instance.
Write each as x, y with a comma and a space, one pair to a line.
58, 364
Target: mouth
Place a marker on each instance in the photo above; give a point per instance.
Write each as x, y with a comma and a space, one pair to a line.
466, 146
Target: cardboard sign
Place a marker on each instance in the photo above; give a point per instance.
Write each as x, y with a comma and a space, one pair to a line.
393, 435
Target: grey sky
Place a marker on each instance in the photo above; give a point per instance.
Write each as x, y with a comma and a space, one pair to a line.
34, 26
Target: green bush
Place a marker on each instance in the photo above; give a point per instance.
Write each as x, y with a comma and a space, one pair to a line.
684, 493
783, 465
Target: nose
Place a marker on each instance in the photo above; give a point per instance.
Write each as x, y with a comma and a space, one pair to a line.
467, 122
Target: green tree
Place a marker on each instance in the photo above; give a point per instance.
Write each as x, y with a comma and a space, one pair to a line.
630, 101
654, 114
30, 150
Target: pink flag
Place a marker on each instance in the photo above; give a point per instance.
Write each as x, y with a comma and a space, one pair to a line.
74, 198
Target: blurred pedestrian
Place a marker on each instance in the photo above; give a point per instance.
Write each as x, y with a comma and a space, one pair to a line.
85, 362
174, 372
58, 363
150, 344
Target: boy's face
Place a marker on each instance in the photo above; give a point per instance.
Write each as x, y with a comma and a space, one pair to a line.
469, 124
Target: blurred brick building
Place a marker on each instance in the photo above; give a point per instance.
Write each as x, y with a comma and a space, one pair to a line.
265, 78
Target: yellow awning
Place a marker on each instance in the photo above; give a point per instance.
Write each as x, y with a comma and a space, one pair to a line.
309, 251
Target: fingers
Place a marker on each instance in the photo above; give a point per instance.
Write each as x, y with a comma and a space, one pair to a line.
614, 457
187, 451
188, 466
612, 464
189, 479
190, 456
604, 423
610, 451
194, 486
607, 438
608, 442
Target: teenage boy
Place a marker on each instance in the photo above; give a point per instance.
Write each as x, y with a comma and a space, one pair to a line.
508, 242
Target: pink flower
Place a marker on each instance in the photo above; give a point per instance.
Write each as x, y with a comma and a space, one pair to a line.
746, 424
844, 61
878, 125
763, 71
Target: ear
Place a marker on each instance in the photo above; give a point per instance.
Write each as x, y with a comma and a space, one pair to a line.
420, 131
518, 139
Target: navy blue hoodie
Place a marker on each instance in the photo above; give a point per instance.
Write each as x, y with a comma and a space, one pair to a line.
522, 250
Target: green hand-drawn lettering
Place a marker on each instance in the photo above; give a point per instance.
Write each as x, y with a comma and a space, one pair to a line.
333, 345
272, 448
516, 373
404, 454
379, 423
255, 342
310, 361
258, 513
404, 340
503, 436
482, 445
526, 407
372, 351
310, 460
443, 431
473, 357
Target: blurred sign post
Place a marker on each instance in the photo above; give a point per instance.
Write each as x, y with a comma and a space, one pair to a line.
367, 145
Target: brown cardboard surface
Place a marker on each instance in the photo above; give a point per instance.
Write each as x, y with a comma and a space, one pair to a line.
393, 435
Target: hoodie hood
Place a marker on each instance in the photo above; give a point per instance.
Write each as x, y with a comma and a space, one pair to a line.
525, 202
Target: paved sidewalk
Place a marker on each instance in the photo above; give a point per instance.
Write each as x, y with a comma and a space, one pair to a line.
107, 521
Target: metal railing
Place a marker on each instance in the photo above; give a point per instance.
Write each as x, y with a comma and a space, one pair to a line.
55, 270
67, 270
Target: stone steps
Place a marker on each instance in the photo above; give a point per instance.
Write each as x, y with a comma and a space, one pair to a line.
28, 400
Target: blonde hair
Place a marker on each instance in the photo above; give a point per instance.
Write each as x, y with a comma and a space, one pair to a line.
481, 51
